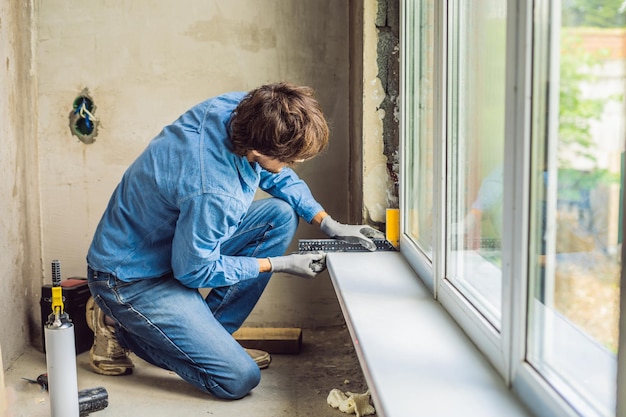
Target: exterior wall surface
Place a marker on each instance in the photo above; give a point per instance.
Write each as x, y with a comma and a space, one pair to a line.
380, 101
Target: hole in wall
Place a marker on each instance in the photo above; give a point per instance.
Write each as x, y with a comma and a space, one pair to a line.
84, 125
83, 122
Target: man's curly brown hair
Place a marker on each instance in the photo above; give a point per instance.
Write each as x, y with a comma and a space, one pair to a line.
281, 121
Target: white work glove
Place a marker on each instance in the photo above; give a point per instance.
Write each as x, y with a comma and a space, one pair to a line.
361, 234
305, 265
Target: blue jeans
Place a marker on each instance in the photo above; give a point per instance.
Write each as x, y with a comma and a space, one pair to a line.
173, 327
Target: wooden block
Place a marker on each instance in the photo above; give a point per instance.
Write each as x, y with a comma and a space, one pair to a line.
270, 339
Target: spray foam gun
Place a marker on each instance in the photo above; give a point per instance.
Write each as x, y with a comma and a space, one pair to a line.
61, 379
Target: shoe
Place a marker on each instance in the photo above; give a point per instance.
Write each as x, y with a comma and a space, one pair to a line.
106, 356
261, 357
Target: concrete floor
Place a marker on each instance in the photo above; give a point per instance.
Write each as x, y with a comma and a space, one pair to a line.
293, 385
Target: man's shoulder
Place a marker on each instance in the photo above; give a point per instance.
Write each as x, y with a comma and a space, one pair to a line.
224, 103
229, 99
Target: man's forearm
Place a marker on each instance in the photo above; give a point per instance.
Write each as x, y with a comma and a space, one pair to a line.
264, 265
317, 219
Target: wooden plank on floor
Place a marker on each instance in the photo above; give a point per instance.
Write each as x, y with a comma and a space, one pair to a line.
270, 339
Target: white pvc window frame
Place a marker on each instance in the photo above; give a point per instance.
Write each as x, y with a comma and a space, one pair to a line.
506, 348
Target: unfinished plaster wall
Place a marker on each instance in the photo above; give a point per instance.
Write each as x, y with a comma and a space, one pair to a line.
380, 109
146, 62
20, 261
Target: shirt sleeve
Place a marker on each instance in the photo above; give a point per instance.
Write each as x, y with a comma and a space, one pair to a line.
287, 186
204, 222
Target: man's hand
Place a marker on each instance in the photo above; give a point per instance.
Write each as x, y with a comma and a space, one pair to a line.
360, 234
306, 265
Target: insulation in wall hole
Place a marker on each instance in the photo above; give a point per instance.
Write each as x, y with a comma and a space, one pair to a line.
83, 123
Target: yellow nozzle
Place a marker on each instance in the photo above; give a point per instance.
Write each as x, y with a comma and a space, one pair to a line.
57, 300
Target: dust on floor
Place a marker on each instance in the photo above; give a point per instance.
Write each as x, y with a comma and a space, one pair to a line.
293, 386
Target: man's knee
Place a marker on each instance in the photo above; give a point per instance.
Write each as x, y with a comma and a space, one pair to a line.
284, 215
238, 383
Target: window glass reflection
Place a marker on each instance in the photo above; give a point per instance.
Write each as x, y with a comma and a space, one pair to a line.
578, 166
476, 150
419, 146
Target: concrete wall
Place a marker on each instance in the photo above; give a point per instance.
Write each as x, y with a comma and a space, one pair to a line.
380, 86
19, 198
146, 62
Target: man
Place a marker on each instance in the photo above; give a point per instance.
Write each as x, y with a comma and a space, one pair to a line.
183, 218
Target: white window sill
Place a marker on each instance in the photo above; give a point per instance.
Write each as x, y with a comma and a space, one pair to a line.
416, 359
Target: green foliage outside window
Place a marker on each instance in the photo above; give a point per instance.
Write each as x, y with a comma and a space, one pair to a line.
594, 13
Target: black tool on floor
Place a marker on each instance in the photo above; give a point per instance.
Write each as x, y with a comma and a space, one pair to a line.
92, 399
42, 380
89, 400
334, 245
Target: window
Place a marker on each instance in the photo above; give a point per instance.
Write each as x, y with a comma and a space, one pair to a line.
475, 108
420, 127
576, 167
513, 132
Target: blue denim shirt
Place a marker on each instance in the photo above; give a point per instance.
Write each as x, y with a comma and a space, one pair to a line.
183, 196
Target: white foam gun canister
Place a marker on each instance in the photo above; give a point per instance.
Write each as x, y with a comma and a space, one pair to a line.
61, 354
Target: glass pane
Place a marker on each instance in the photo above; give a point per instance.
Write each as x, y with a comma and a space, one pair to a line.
578, 174
477, 55
420, 133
